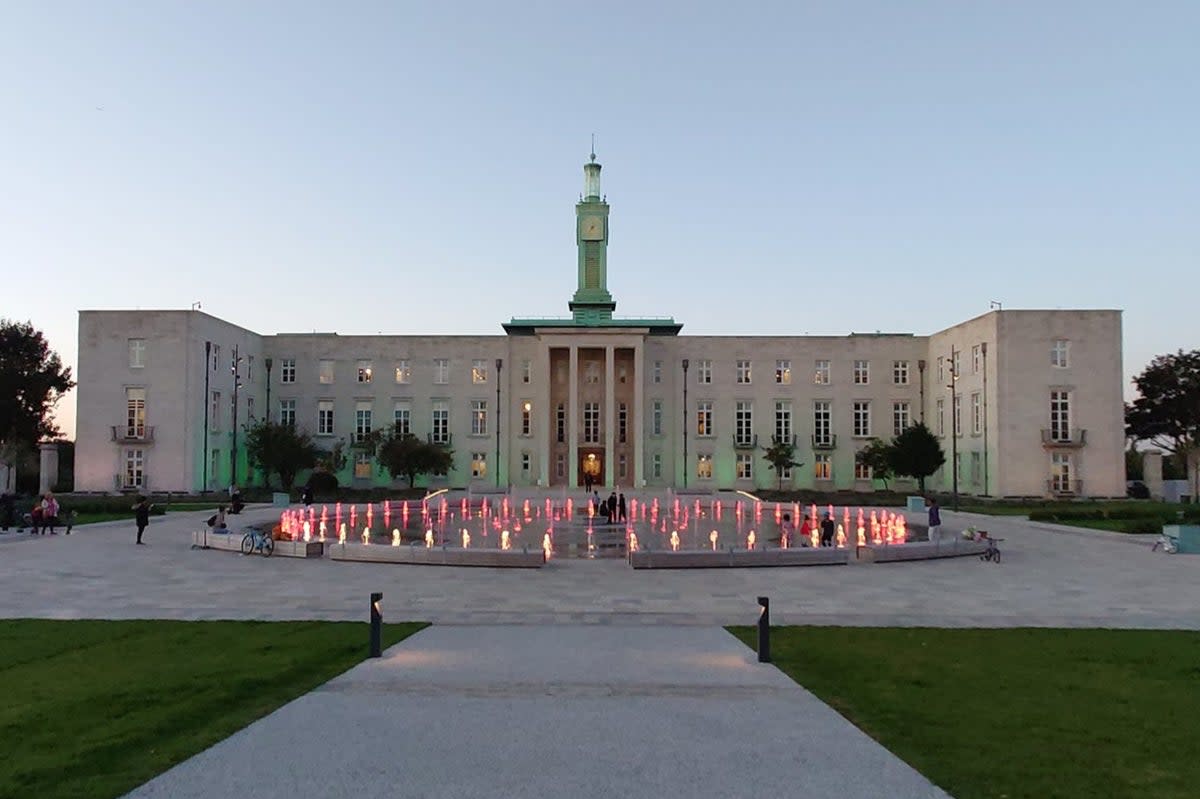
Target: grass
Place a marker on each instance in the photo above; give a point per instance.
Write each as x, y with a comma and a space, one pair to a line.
1033, 713
95, 708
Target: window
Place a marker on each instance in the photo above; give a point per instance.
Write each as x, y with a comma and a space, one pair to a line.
591, 423
526, 418
743, 422
901, 417
560, 465
622, 422
479, 464
1060, 354
976, 359
325, 371
976, 413
525, 463
216, 356
287, 413
745, 466
135, 413
362, 465
783, 421
526, 371
656, 465
1060, 472
704, 418
783, 373
591, 372
135, 462
479, 371
957, 411
363, 369
822, 466
656, 372
862, 373
704, 371
656, 418
137, 353
560, 373
822, 373
560, 423
743, 373
861, 471
402, 417
785, 473
956, 366
862, 419
1060, 415
622, 466
441, 422
900, 373
822, 423
214, 467
250, 408
941, 417
403, 371
249, 368
287, 370
441, 371
704, 467
362, 421
976, 468
325, 418
941, 369
479, 417
214, 411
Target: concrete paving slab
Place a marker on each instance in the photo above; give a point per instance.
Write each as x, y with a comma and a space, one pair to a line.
551, 711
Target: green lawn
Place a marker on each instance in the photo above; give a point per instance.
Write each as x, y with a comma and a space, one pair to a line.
95, 708
1043, 714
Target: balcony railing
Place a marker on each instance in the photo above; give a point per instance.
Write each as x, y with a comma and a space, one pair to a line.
824, 442
446, 441
133, 434
1064, 438
745, 442
785, 440
1064, 488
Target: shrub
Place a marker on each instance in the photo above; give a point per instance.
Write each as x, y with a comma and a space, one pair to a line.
323, 483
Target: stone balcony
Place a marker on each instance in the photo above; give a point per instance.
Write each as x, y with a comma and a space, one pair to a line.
133, 434
1074, 437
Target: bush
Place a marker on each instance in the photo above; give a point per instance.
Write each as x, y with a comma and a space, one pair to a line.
1145, 527
323, 483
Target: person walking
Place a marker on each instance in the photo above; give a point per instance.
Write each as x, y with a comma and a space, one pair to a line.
49, 512
612, 507
935, 519
828, 528
806, 531
622, 513
141, 515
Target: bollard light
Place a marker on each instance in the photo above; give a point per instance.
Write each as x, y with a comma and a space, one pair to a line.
764, 629
376, 625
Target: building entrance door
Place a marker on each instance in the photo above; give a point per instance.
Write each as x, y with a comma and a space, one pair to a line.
591, 463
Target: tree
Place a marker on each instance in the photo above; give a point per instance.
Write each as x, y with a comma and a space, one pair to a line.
1167, 412
780, 456
405, 455
916, 453
32, 379
877, 456
280, 448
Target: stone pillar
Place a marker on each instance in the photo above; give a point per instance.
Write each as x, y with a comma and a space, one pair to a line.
48, 475
610, 417
573, 419
638, 426
8, 477
1152, 473
543, 412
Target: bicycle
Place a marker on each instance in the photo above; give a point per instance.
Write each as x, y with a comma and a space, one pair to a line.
992, 552
258, 541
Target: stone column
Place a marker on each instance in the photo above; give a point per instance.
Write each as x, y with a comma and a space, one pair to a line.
573, 419
637, 427
1152, 473
610, 416
542, 411
48, 476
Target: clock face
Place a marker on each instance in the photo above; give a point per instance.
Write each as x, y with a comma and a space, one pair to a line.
591, 228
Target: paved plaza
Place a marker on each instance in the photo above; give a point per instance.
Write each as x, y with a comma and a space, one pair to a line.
1051, 576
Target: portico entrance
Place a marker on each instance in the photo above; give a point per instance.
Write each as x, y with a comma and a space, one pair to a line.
591, 462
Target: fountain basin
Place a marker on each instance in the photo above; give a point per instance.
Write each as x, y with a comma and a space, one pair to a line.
438, 556
953, 547
738, 558
232, 542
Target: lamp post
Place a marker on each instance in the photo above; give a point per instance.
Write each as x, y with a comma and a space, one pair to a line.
235, 369
499, 367
268, 362
685, 423
204, 404
954, 422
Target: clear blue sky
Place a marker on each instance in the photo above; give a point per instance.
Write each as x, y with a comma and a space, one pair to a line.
788, 168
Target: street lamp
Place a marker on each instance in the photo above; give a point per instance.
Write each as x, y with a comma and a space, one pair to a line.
685, 423
204, 404
954, 422
499, 366
235, 369
269, 362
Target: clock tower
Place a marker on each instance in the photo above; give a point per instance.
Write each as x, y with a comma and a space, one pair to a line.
592, 302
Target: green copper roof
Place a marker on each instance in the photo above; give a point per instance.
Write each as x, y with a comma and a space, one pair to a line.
658, 325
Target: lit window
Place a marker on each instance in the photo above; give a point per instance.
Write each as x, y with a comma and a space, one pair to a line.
821, 373
526, 418
783, 373
325, 371
362, 465
135, 413
403, 371
364, 371
704, 418
479, 371
745, 466
704, 469
479, 464
822, 466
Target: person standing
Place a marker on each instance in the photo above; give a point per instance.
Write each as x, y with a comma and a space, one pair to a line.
141, 515
806, 531
306, 495
612, 507
935, 519
7, 511
49, 512
787, 531
622, 512
828, 528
